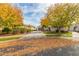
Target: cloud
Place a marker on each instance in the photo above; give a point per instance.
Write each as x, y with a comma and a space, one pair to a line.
32, 12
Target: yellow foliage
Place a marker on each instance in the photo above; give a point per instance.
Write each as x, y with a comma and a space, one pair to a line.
10, 13
44, 21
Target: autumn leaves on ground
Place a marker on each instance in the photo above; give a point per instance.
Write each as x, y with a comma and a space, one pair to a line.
31, 47
19, 39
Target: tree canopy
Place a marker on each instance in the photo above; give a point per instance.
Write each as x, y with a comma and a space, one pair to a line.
62, 15
10, 15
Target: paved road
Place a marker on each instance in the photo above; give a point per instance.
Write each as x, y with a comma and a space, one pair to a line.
16, 47
64, 51
34, 34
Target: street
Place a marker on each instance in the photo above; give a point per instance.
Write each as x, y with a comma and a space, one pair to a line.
34, 34
36, 44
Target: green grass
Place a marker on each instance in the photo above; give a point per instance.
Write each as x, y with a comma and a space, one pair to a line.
66, 34
10, 37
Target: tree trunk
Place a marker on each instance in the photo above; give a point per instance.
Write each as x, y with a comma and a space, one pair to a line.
49, 29
58, 29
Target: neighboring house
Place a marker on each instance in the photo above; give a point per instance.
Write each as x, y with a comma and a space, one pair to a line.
30, 27
75, 28
65, 29
53, 29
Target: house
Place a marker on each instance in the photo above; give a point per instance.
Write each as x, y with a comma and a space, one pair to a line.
75, 27
30, 27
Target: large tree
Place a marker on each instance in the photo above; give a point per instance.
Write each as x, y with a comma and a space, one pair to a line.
63, 15
10, 16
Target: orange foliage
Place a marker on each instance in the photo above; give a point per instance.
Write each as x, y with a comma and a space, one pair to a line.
45, 22
10, 13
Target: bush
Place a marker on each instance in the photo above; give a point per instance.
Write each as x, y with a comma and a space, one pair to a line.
14, 31
18, 30
22, 30
29, 30
6, 30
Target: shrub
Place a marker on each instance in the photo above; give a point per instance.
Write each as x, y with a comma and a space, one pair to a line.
6, 30
18, 30
29, 30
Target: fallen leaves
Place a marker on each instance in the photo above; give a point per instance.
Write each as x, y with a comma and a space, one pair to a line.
35, 45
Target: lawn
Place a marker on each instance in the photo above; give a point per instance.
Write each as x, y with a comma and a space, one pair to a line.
64, 34
12, 37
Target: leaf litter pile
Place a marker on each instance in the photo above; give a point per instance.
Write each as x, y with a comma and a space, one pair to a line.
30, 47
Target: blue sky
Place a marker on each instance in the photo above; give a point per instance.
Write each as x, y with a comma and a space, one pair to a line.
32, 12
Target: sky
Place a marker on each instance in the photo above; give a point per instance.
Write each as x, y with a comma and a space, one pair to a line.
32, 12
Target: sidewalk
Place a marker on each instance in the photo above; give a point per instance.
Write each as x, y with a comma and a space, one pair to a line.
75, 36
